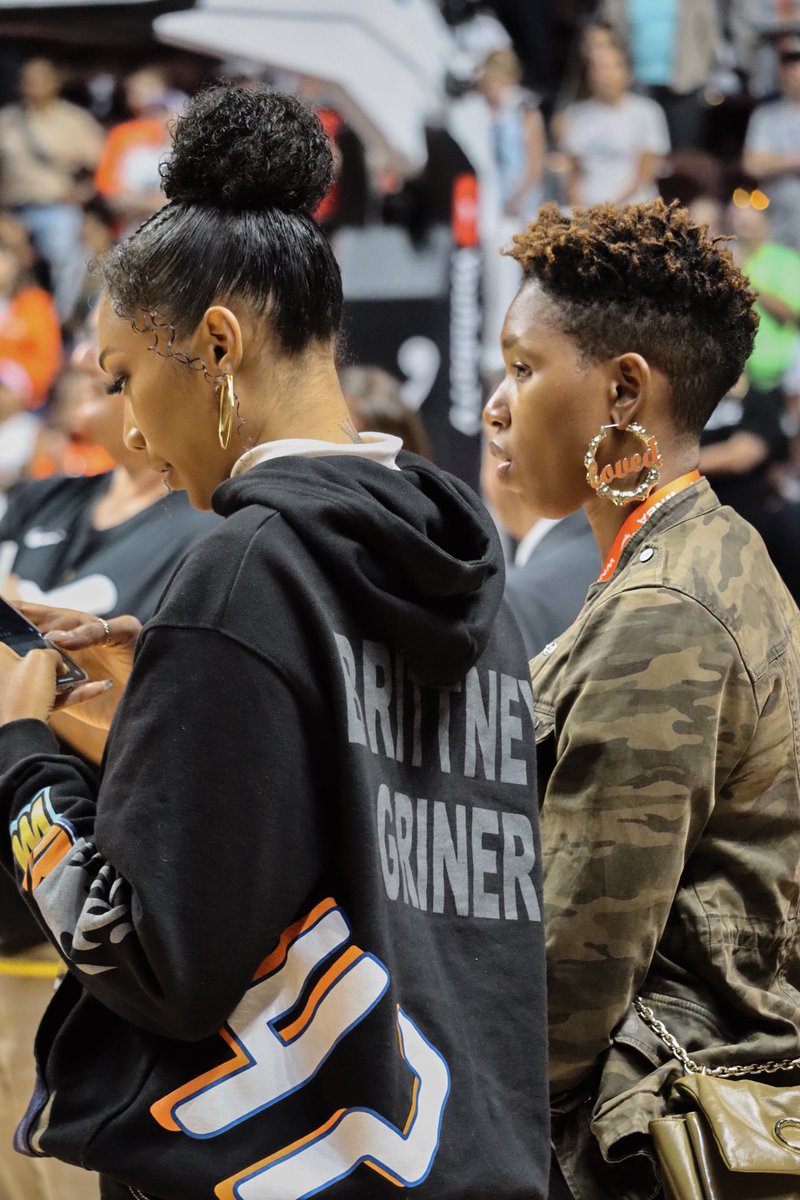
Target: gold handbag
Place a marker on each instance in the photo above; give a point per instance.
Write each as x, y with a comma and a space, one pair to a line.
737, 1140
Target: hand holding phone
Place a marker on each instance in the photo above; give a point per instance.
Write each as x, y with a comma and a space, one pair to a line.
22, 637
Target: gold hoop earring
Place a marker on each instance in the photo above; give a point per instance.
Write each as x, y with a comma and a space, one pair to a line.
227, 408
601, 478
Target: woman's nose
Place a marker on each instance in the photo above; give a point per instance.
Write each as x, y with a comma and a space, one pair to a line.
132, 436
495, 412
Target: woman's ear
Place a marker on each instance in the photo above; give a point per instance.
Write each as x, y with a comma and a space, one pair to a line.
220, 337
631, 384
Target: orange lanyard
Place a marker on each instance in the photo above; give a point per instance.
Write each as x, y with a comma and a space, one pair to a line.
640, 516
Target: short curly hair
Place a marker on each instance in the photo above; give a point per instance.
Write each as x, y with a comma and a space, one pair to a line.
644, 278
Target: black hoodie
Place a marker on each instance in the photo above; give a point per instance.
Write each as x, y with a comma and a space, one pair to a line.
302, 912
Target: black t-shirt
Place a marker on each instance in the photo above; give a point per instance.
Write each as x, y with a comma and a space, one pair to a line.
105, 571
761, 414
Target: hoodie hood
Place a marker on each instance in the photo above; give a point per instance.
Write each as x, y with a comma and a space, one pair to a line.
414, 551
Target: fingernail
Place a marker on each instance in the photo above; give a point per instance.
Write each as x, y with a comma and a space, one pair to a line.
63, 635
107, 683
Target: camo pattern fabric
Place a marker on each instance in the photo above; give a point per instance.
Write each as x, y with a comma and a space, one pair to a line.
669, 741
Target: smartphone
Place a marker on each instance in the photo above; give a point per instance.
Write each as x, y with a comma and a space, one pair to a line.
21, 636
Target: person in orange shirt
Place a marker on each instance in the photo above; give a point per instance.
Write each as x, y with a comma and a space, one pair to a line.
30, 334
127, 174
63, 447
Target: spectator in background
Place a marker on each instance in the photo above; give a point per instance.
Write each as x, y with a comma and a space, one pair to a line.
753, 28
477, 32
554, 562
740, 445
144, 92
774, 272
19, 429
593, 37
511, 184
745, 439
671, 44
772, 146
14, 234
127, 175
29, 329
102, 543
62, 447
376, 404
518, 136
48, 151
614, 140
531, 28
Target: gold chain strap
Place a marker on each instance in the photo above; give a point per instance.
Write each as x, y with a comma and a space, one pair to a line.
693, 1068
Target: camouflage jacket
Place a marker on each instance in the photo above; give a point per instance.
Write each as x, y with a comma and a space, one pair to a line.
669, 744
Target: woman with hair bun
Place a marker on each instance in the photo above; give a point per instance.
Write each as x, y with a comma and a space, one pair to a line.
300, 909
667, 731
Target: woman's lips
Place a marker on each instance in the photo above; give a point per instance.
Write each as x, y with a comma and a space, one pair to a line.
504, 466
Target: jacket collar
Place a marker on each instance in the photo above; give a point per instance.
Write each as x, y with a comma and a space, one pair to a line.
695, 501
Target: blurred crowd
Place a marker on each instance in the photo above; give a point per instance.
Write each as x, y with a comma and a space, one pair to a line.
585, 102
578, 102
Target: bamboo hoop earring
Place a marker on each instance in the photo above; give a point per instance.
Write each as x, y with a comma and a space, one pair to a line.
602, 478
227, 409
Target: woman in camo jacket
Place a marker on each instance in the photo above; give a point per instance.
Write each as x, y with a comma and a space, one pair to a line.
668, 712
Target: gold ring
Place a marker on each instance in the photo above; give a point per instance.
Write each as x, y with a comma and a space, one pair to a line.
107, 628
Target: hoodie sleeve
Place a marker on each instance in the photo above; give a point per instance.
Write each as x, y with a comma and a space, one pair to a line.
166, 887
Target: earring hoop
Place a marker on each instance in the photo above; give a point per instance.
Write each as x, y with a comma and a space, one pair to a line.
227, 408
601, 478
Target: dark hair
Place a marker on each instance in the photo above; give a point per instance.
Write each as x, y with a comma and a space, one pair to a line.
248, 168
646, 279
375, 401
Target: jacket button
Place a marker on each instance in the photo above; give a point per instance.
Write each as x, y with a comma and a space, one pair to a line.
646, 554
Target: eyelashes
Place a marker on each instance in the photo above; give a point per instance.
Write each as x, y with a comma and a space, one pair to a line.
114, 389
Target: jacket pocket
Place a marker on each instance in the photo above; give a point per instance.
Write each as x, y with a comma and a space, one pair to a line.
631, 1092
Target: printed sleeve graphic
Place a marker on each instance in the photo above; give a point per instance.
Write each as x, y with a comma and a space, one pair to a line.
39, 840
84, 902
271, 1059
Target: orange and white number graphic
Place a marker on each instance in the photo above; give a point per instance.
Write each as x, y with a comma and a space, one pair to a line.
268, 1063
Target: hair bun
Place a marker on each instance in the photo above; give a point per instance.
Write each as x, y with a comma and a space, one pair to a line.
238, 148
